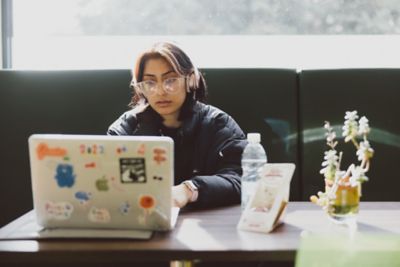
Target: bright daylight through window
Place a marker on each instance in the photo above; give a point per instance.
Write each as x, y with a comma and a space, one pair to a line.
75, 34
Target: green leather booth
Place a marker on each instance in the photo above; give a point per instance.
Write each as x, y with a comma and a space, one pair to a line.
287, 107
84, 102
264, 101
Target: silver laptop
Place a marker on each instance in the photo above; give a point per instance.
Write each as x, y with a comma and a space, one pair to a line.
102, 182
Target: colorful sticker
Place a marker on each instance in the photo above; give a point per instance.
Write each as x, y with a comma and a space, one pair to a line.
148, 204
83, 197
99, 215
91, 149
90, 165
102, 184
43, 150
65, 175
132, 170
59, 210
124, 208
121, 149
142, 149
159, 155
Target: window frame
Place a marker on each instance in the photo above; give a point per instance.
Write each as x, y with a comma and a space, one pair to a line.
6, 34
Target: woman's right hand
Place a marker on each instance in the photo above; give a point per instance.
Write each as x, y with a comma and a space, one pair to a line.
181, 195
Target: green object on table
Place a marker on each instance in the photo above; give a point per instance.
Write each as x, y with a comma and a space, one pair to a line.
353, 250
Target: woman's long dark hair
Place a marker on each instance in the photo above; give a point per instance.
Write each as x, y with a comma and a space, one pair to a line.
181, 64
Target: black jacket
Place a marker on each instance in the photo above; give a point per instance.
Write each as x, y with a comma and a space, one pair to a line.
208, 150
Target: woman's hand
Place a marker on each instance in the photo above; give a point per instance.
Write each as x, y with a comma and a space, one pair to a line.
181, 195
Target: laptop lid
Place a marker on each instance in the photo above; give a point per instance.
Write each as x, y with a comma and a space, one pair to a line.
113, 182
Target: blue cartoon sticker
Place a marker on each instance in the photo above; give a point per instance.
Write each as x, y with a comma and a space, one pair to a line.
65, 175
83, 197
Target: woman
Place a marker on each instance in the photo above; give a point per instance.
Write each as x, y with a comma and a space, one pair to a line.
168, 100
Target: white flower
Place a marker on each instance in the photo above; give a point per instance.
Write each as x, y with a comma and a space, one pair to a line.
350, 128
330, 157
363, 126
330, 163
365, 151
330, 136
356, 173
327, 126
351, 115
357, 176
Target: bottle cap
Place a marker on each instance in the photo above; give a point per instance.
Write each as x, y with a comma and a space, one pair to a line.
254, 137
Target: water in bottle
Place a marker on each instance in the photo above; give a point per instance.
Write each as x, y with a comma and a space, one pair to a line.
253, 158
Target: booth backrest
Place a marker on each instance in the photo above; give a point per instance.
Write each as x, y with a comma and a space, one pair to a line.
264, 101
86, 102
73, 102
287, 107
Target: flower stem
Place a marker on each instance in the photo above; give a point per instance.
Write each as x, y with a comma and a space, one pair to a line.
355, 143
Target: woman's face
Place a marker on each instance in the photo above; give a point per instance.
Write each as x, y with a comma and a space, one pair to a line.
168, 95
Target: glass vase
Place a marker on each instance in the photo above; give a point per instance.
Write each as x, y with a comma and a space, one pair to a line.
343, 209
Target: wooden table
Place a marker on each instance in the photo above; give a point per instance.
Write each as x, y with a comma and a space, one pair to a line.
209, 235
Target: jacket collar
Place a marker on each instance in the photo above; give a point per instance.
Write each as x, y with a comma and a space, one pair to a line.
149, 121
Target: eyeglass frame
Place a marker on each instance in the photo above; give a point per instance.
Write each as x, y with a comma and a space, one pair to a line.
137, 86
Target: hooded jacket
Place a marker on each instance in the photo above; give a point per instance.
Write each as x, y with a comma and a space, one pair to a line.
208, 148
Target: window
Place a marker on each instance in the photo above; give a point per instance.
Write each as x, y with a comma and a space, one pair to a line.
59, 34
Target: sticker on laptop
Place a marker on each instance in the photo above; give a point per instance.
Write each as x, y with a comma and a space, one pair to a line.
157, 178
102, 184
43, 150
124, 208
90, 165
147, 202
99, 215
83, 197
59, 210
132, 170
159, 155
121, 149
92, 149
141, 150
65, 176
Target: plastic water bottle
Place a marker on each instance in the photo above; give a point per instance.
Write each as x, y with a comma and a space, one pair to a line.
253, 158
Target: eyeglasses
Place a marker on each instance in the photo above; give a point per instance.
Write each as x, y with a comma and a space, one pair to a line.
170, 86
